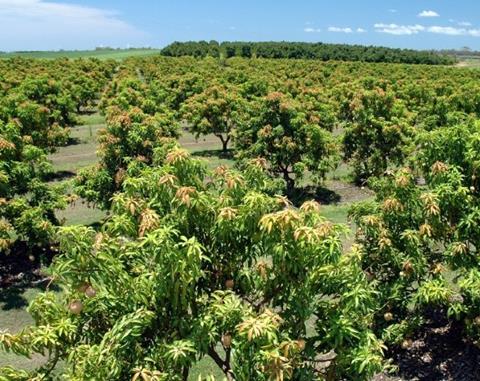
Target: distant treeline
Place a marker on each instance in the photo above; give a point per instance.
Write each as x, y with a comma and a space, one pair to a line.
465, 53
304, 50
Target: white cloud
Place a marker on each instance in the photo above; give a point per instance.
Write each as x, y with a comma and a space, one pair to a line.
461, 23
428, 14
452, 31
348, 30
398, 30
232, 28
340, 30
39, 24
402, 30
392, 10
312, 30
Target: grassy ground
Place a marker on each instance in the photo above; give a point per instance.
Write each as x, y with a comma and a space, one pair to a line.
81, 152
337, 192
103, 54
13, 317
206, 148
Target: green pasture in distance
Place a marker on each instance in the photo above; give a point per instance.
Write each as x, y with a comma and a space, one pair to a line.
102, 54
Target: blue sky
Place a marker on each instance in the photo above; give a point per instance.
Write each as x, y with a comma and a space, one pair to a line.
83, 24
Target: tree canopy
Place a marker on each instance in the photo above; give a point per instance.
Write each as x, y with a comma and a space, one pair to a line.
305, 50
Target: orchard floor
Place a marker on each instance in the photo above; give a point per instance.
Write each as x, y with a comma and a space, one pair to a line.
336, 196
438, 353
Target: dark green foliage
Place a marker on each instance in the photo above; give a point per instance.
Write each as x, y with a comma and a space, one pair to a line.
305, 50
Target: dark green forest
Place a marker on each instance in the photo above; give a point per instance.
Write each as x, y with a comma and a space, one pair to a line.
305, 50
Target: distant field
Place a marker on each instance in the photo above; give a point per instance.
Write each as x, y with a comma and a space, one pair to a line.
473, 62
100, 54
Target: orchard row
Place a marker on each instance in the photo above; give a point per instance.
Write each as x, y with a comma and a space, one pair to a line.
195, 262
39, 100
288, 112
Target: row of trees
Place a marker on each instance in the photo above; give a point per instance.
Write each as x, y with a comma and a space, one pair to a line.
305, 50
289, 112
195, 262
38, 102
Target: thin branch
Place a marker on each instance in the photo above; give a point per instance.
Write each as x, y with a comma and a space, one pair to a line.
51, 364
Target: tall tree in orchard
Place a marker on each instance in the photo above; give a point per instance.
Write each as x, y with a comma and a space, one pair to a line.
378, 133
289, 137
218, 110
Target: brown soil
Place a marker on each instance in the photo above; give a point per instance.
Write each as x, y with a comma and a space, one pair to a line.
438, 353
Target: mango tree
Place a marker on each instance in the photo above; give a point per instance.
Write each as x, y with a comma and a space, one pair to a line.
194, 263
378, 133
218, 110
289, 138
128, 141
413, 239
27, 202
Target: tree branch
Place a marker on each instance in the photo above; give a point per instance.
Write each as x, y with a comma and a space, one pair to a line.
267, 297
228, 354
52, 363
223, 365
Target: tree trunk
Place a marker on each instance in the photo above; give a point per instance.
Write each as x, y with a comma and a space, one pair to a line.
289, 181
186, 371
225, 141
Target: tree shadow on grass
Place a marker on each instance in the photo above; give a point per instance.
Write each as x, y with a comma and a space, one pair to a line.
60, 175
320, 194
13, 297
96, 225
215, 153
73, 142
